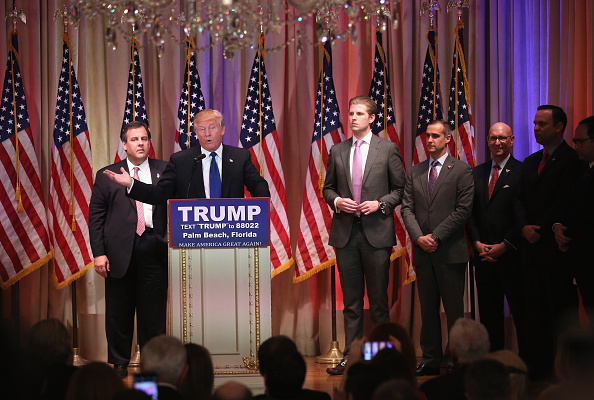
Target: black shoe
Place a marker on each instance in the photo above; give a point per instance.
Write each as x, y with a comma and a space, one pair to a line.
121, 370
425, 370
339, 369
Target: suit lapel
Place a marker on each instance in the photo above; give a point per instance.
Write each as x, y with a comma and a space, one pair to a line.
227, 163
443, 175
374, 150
424, 179
503, 176
346, 162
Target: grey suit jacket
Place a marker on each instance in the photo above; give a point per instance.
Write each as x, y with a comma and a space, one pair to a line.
445, 214
383, 179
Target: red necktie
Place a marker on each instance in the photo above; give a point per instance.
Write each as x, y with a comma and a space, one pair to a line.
493, 180
545, 157
139, 210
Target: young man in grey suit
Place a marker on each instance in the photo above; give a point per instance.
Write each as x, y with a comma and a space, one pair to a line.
364, 184
436, 205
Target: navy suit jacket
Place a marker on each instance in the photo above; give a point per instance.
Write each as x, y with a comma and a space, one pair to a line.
493, 219
542, 195
182, 179
112, 218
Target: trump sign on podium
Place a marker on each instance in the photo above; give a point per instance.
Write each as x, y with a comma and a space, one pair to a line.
218, 223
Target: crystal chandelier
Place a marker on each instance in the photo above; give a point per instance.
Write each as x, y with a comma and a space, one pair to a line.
234, 23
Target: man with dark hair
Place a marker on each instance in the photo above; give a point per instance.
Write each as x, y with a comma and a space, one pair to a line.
550, 295
487, 380
129, 242
283, 369
232, 391
573, 232
436, 205
495, 237
211, 170
364, 184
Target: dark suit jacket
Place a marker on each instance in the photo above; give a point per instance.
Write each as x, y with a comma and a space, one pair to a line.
542, 195
179, 182
492, 219
577, 214
383, 179
445, 214
112, 218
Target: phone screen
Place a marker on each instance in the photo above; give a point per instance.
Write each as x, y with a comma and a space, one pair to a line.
370, 349
146, 383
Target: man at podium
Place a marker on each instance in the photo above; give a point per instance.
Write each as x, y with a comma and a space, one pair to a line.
213, 170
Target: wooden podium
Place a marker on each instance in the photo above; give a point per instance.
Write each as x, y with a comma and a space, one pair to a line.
220, 298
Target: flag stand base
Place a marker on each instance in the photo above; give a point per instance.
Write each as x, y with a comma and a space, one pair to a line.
77, 360
135, 359
333, 356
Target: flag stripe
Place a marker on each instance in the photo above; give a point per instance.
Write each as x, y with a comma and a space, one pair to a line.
26, 244
71, 174
259, 135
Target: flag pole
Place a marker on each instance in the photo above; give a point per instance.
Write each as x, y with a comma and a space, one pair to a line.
334, 355
77, 359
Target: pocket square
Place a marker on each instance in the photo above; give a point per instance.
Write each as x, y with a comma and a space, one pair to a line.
506, 186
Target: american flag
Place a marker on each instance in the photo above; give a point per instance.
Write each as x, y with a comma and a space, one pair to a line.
430, 102
71, 180
135, 109
259, 135
23, 223
460, 115
385, 126
313, 252
191, 102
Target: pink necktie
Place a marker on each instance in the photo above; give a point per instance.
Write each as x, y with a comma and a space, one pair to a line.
139, 210
493, 180
432, 177
357, 173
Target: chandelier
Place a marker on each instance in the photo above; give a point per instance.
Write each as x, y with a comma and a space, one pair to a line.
234, 23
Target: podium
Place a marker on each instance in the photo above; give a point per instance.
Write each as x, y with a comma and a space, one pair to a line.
219, 296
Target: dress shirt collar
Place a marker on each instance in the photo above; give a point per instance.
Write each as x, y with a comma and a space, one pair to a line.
440, 160
502, 163
366, 138
219, 152
144, 167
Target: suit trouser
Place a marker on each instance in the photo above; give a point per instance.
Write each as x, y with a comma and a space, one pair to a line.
494, 280
359, 263
438, 281
551, 303
142, 289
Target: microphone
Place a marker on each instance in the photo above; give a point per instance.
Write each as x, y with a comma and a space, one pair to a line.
195, 161
194, 164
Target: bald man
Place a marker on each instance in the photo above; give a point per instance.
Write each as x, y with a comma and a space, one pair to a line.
495, 237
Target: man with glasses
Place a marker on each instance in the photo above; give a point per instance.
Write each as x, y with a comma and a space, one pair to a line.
213, 170
494, 237
574, 233
551, 297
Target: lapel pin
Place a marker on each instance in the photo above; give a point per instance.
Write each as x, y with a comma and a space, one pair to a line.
158, 176
449, 166
230, 160
507, 170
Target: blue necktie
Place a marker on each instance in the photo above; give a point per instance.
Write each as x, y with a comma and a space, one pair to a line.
214, 178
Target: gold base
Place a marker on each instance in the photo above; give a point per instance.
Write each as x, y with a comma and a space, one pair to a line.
77, 360
135, 359
333, 356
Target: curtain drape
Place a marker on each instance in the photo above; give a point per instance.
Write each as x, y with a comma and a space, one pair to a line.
520, 54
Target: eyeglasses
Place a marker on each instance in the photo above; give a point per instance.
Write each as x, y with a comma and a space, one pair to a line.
502, 139
579, 142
